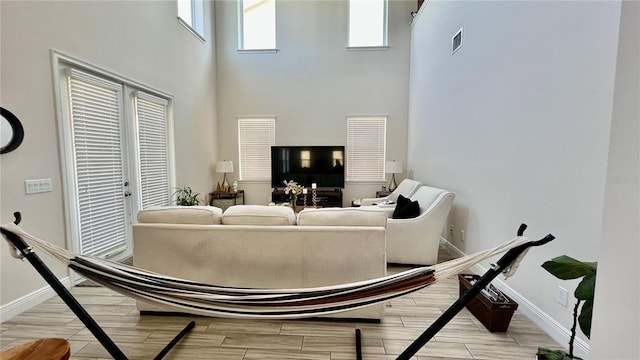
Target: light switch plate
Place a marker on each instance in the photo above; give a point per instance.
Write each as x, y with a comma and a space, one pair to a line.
38, 186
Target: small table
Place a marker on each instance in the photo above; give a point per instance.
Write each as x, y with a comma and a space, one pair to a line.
223, 199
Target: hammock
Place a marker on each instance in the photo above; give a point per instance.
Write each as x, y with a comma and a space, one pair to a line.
283, 303
211, 300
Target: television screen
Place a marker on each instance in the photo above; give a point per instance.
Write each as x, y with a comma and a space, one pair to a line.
323, 165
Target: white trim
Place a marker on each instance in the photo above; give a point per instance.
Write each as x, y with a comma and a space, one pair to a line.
420, 11
58, 57
26, 302
549, 325
191, 30
368, 48
257, 51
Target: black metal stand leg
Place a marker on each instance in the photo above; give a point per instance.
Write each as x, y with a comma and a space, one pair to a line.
66, 296
73, 304
175, 340
449, 314
358, 345
454, 309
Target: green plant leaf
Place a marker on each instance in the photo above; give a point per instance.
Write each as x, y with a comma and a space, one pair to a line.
584, 319
565, 267
186, 197
546, 354
586, 288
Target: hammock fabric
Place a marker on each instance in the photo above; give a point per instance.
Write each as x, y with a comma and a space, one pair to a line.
210, 300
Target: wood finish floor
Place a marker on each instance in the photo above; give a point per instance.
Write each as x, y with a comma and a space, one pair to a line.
142, 337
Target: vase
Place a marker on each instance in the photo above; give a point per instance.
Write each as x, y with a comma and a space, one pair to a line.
294, 199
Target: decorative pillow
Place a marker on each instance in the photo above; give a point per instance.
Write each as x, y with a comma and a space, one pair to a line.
259, 215
201, 215
368, 216
406, 209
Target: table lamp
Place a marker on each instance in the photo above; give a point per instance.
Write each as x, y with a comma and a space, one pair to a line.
393, 167
224, 166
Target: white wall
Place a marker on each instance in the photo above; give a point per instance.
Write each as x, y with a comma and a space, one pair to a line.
313, 82
141, 40
516, 123
616, 317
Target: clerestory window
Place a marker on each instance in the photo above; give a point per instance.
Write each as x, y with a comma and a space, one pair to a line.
367, 23
191, 15
257, 19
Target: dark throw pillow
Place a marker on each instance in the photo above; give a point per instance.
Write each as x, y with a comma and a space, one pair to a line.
406, 209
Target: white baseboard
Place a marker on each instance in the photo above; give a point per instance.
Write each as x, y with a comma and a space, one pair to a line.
15, 307
549, 325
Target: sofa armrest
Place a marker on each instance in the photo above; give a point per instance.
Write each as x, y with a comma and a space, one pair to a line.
368, 201
374, 201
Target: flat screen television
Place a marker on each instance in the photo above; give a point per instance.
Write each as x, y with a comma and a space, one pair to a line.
323, 165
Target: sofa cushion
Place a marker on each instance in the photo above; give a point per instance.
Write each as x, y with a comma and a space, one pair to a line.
201, 215
259, 215
406, 209
368, 216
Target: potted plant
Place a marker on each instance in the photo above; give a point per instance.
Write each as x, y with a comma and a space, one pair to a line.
565, 268
186, 197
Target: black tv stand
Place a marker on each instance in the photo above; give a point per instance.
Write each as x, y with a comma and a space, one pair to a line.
324, 197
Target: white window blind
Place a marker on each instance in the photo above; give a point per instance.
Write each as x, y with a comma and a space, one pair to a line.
366, 141
152, 118
255, 138
95, 108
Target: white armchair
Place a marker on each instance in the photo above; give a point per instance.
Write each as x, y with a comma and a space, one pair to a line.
407, 188
417, 240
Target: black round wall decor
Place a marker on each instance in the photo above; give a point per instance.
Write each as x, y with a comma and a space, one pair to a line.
11, 131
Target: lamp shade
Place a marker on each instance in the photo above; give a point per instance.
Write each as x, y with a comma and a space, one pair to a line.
224, 166
393, 167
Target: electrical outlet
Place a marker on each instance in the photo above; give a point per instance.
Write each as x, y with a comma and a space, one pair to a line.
562, 296
461, 235
451, 231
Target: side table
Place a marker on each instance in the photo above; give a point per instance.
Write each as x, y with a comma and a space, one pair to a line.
223, 199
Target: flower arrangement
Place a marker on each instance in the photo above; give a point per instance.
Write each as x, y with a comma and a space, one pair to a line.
293, 189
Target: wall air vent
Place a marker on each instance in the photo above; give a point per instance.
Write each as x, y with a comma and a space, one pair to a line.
456, 41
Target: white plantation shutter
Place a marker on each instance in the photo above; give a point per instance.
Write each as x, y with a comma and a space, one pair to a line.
95, 107
255, 138
366, 141
152, 118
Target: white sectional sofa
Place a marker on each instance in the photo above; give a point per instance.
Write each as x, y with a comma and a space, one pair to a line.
415, 240
263, 246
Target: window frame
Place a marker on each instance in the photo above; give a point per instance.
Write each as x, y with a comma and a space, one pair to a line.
385, 30
195, 25
241, 37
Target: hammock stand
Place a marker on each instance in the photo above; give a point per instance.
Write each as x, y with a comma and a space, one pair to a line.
505, 263
502, 265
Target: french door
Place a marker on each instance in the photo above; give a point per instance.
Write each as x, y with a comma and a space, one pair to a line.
101, 175
116, 151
